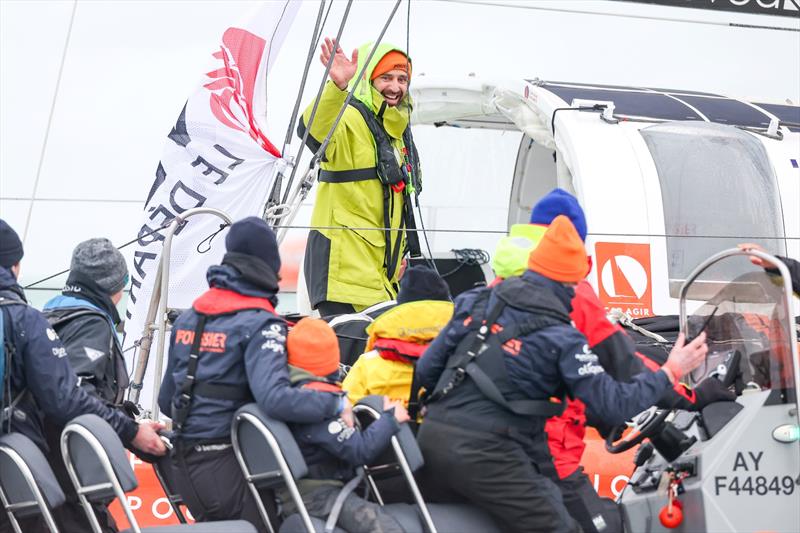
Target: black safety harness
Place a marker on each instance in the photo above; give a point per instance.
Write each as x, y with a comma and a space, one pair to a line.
190, 386
480, 345
391, 175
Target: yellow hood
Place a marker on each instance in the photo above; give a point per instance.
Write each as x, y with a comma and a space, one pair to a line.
419, 322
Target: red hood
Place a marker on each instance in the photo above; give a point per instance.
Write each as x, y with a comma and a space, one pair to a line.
397, 350
217, 301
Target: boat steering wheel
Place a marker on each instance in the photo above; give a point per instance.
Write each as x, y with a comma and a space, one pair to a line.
644, 425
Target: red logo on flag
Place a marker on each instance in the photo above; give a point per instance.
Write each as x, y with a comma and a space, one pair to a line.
234, 84
624, 279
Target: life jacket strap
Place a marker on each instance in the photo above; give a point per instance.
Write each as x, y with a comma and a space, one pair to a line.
182, 404
466, 365
348, 176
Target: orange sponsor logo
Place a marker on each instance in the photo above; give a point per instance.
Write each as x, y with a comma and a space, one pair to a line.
512, 346
210, 341
624, 278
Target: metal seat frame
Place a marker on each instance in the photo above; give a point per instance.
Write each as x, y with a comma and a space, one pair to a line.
105, 464
283, 472
39, 500
397, 448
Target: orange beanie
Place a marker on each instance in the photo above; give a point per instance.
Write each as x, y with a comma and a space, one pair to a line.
560, 254
394, 60
312, 346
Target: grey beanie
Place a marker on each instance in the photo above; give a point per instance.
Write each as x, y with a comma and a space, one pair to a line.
99, 260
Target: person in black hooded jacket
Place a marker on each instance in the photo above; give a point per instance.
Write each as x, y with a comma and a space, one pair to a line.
85, 317
39, 381
492, 373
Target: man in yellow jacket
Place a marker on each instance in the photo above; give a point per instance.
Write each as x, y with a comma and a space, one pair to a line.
398, 337
367, 179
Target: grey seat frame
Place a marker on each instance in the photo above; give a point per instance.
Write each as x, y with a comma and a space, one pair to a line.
400, 455
284, 472
105, 464
116, 469
39, 500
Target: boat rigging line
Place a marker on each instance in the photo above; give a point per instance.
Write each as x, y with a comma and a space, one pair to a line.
274, 208
164, 226
313, 114
740, 238
314, 40
49, 120
429, 258
287, 211
320, 153
269, 50
324, 21
274, 195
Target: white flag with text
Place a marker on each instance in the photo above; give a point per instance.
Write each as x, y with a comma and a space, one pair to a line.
217, 155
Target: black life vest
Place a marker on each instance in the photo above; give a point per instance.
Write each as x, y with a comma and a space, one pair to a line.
393, 175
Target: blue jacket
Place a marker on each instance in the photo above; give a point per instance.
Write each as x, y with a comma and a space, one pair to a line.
40, 369
246, 348
332, 450
551, 361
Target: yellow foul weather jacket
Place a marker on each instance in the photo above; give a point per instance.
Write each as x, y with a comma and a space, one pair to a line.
352, 264
415, 323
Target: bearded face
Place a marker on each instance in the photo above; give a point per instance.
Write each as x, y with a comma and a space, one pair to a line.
393, 85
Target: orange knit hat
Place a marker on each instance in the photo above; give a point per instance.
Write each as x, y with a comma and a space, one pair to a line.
560, 254
312, 346
394, 60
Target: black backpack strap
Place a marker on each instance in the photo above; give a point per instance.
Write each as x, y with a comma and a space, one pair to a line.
527, 327
191, 386
476, 347
392, 251
466, 365
414, 404
9, 351
181, 405
412, 237
544, 408
414, 177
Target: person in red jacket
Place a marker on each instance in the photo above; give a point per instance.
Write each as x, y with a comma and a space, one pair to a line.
617, 354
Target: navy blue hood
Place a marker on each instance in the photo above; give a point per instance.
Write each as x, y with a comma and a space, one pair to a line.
563, 293
8, 283
228, 277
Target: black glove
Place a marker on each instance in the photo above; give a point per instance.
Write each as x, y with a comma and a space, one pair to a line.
130, 409
711, 390
153, 459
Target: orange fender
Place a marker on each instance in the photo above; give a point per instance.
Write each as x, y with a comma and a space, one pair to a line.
609, 473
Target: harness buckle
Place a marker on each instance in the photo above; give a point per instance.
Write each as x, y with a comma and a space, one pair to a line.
458, 376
